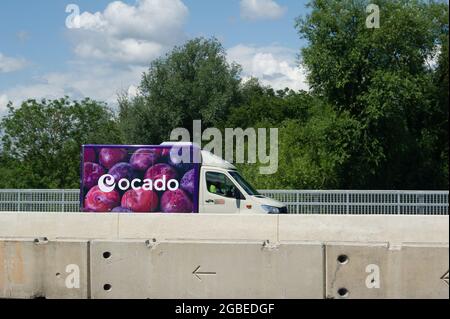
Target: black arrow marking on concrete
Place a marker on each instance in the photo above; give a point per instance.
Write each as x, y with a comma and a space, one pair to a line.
445, 278
198, 273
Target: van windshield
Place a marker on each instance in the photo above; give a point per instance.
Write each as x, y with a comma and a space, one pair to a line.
244, 184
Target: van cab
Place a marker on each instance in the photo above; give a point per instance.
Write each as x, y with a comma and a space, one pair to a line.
224, 190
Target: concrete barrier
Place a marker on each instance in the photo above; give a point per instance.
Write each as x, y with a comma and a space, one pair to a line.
383, 271
323, 228
222, 256
37, 268
58, 225
138, 269
201, 227
138, 226
368, 228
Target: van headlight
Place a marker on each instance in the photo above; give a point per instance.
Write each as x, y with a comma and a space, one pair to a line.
270, 209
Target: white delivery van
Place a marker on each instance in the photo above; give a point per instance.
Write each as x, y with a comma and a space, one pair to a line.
151, 179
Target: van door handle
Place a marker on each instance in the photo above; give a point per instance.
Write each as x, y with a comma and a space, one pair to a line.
210, 201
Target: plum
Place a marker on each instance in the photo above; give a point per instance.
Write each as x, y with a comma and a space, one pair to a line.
108, 157
184, 167
122, 170
177, 162
176, 202
140, 200
91, 174
89, 155
143, 158
165, 152
121, 209
188, 182
98, 201
159, 170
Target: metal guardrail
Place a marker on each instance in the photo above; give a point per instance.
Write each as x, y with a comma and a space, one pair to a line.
39, 200
298, 201
363, 202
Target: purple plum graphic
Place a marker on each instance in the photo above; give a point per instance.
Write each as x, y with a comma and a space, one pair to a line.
188, 182
176, 160
140, 200
143, 158
122, 170
176, 202
108, 157
121, 210
101, 202
92, 173
89, 155
159, 170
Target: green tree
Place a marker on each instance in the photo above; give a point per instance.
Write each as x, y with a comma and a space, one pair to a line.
42, 141
437, 121
193, 82
313, 138
381, 78
261, 104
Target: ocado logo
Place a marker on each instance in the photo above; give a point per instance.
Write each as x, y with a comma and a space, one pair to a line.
107, 184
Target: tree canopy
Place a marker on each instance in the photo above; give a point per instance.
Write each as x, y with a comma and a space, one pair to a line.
193, 82
386, 79
42, 141
375, 117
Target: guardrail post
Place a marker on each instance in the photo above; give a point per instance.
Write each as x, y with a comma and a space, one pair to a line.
19, 200
63, 201
347, 200
398, 203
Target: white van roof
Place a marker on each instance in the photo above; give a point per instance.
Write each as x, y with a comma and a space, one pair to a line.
208, 158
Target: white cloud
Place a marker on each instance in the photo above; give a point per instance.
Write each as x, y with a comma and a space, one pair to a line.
113, 48
130, 33
3, 103
133, 91
8, 64
273, 65
100, 81
261, 9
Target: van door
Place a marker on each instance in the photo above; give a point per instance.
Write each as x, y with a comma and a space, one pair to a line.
219, 193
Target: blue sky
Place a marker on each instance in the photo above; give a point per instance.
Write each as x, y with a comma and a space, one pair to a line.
112, 43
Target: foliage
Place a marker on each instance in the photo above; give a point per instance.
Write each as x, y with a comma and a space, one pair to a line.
376, 116
193, 82
385, 79
42, 141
